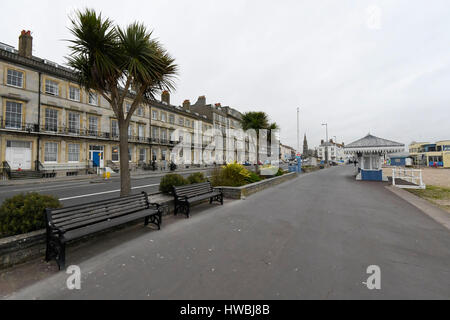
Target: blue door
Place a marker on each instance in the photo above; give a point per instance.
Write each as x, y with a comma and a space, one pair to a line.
96, 159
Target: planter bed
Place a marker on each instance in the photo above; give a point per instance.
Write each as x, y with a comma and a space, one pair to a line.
244, 191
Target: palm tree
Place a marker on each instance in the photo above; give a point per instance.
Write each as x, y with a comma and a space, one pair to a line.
119, 63
257, 121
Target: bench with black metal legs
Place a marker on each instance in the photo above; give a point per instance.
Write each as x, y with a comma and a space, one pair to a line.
77, 221
188, 194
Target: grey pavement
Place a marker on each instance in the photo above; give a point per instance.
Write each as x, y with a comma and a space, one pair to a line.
310, 238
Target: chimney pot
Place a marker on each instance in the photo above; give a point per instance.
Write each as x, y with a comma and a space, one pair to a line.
187, 105
165, 97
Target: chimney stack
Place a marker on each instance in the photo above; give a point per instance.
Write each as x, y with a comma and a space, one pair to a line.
321, 142
26, 44
165, 97
201, 101
187, 105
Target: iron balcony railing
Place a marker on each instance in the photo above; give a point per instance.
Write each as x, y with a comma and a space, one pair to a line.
8, 124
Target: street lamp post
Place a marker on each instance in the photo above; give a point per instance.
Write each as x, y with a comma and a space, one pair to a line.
298, 129
326, 147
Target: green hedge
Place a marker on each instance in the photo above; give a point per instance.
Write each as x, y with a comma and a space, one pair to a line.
25, 213
196, 177
169, 181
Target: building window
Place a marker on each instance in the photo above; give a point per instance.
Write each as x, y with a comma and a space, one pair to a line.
13, 119
51, 152
154, 115
74, 122
163, 155
115, 154
127, 107
142, 154
130, 130
93, 125
14, 78
188, 123
141, 131
51, 120
163, 117
93, 99
154, 155
129, 154
114, 128
73, 152
51, 87
181, 121
375, 163
140, 111
154, 132
164, 134
172, 119
74, 93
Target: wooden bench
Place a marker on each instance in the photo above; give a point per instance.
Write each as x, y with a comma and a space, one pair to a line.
187, 194
77, 221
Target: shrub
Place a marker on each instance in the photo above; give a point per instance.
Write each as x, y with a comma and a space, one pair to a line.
25, 213
233, 175
196, 177
253, 177
279, 173
170, 180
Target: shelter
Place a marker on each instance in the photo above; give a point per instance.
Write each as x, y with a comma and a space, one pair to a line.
370, 152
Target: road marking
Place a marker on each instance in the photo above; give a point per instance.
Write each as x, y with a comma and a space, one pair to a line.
105, 192
48, 188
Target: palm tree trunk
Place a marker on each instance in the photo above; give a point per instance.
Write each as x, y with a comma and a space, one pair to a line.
125, 181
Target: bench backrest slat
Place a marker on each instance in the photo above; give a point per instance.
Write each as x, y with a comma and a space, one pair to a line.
100, 214
92, 209
193, 189
93, 204
96, 220
77, 216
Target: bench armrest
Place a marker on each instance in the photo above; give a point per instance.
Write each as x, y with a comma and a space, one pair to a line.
55, 228
160, 207
218, 188
182, 198
154, 204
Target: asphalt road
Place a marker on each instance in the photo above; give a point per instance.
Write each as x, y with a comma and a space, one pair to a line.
78, 191
312, 237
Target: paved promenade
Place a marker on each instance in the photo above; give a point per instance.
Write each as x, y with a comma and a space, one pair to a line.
312, 237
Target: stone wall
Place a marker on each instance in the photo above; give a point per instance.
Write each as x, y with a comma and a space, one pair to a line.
244, 191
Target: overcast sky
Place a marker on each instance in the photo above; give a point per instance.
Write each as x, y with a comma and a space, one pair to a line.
361, 66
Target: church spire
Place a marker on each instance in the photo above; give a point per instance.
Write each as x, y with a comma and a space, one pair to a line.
305, 146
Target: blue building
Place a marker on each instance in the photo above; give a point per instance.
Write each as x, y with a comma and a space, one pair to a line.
400, 159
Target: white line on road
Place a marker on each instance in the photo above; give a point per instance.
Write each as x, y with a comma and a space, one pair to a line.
105, 192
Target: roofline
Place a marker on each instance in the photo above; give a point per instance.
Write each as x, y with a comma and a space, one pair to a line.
38, 65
